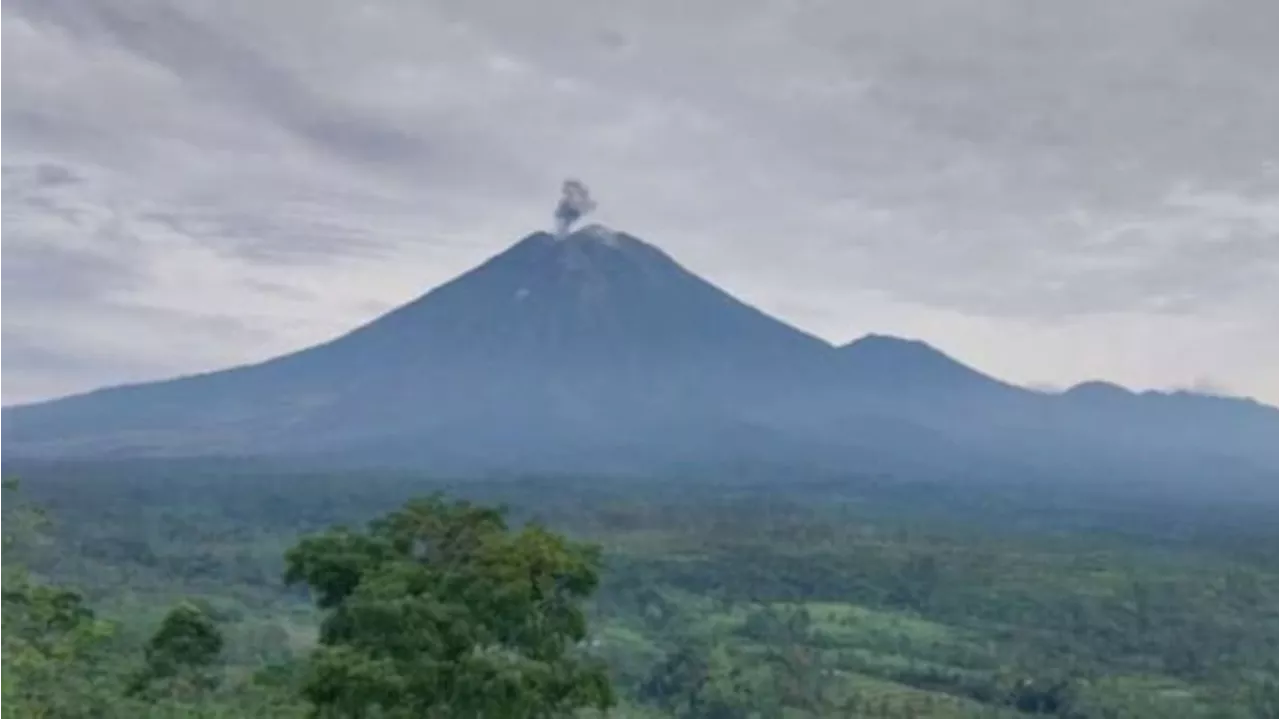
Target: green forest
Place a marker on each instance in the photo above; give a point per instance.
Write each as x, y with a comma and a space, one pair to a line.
187, 589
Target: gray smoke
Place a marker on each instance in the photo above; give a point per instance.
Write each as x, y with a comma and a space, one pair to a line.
575, 201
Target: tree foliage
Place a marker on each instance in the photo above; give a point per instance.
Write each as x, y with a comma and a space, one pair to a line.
440, 609
178, 657
50, 637
723, 602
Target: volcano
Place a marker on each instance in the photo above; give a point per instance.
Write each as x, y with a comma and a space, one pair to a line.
596, 351
591, 344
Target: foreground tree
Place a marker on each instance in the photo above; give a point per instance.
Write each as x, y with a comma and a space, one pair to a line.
441, 610
180, 655
52, 644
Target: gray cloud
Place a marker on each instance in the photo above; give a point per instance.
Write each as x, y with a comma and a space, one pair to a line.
994, 176
35, 274
212, 61
24, 350
58, 248
51, 175
289, 235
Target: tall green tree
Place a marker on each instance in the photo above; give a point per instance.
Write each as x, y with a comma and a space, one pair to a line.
441, 610
180, 655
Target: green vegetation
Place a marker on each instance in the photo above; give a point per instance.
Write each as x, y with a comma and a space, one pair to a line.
439, 611
177, 659
179, 590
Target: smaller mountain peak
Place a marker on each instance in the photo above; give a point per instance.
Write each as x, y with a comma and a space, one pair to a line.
873, 339
1097, 388
889, 347
887, 356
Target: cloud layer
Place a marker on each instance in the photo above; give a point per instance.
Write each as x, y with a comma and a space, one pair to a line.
1050, 191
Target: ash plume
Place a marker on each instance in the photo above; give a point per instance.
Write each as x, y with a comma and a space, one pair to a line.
575, 201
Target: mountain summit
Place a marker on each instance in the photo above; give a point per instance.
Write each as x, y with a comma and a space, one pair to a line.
559, 347
593, 350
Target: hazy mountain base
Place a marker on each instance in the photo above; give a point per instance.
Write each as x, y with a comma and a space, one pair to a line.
734, 597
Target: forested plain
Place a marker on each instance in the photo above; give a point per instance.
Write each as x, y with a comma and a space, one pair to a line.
222, 589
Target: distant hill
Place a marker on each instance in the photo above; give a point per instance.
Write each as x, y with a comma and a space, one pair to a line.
598, 352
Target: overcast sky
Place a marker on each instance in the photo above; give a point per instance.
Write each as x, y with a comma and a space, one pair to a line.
1049, 191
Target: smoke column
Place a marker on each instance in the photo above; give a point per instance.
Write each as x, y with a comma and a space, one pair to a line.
575, 201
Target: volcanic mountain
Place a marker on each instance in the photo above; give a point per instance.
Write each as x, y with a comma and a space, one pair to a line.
596, 351
559, 347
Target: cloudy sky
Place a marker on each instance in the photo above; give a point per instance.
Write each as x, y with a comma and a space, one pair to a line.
1050, 191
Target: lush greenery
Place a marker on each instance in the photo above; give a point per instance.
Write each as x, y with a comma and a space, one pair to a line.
202, 590
439, 611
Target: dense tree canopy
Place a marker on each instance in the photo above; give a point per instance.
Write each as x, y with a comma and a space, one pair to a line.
870, 600
179, 655
441, 610
49, 635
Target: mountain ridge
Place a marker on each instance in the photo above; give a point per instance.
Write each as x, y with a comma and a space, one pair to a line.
597, 347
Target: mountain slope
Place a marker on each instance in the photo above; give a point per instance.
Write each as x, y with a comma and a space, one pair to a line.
1166, 421
555, 345
597, 352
